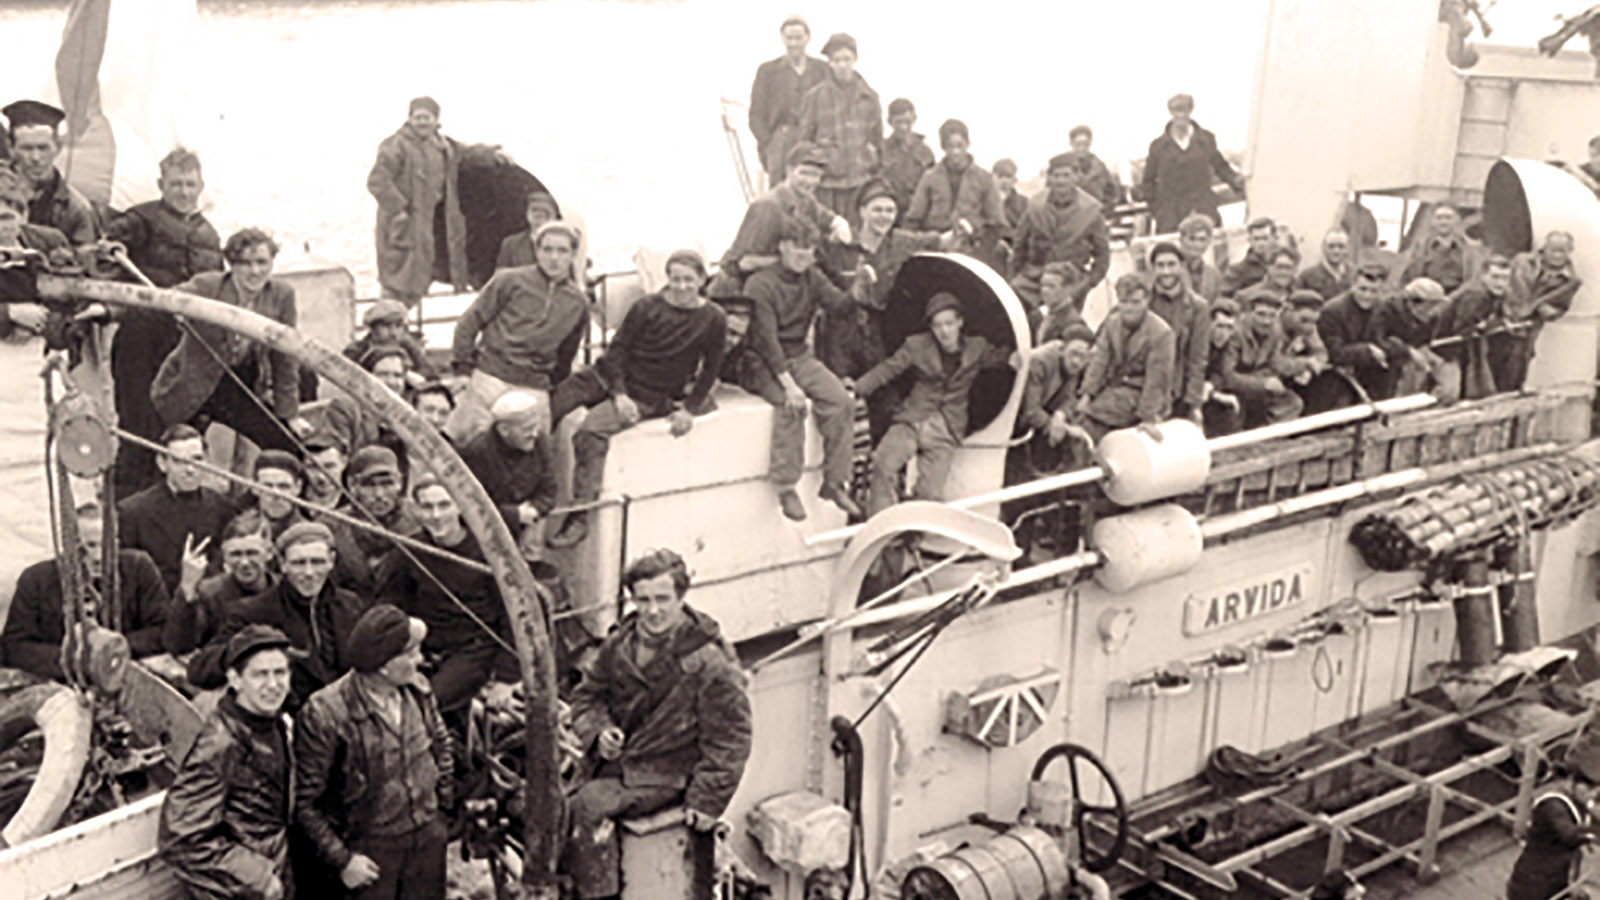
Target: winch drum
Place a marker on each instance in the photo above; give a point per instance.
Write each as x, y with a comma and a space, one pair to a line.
1025, 863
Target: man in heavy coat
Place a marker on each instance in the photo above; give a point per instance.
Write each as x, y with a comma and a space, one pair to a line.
775, 97
1129, 379
665, 711
419, 207
1062, 224
1179, 168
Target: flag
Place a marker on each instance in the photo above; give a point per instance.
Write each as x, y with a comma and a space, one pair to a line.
122, 76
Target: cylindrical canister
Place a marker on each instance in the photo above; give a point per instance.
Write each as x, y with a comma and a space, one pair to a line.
1140, 469
1146, 546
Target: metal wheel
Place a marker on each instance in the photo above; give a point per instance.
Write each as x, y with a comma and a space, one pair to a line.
1074, 754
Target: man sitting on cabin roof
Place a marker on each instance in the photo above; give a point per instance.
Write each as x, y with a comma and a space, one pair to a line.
386, 325
1220, 409
665, 716
522, 331
1185, 311
225, 820
176, 510
1478, 308
1406, 325
1543, 284
1331, 275
1348, 325
517, 249
305, 605
35, 143
1195, 234
932, 421
786, 299
513, 461
1129, 378
202, 603
1263, 237
1062, 224
1254, 365
662, 362
35, 627
755, 245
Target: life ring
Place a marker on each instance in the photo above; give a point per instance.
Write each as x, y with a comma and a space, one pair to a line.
65, 718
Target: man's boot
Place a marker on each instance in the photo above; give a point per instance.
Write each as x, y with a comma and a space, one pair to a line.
793, 508
572, 532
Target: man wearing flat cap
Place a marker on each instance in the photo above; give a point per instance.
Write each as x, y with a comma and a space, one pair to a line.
1179, 167
316, 616
1406, 327
1129, 378
225, 821
376, 484
386, 325
1062, 224
932, 421
35, 143
373, 766
1562, 826
755, 245
844, 117
775, 97
1254, 367
513, 461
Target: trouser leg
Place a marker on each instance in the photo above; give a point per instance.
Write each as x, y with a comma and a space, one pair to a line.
589, 446
936, 451
593, 856
581, 388
460, 672
834, 411
235, 407
889, 459
471, 416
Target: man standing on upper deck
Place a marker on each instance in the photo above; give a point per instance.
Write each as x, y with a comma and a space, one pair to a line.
35, 143
1181, 308
843, 117
780, 85
1129, 378
170, 241
905, 154
1094, 176
419, 207
1444, 253
1062, 224
1333, 274
522, 331
1179, 167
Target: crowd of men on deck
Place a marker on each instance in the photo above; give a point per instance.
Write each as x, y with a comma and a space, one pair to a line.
290, 595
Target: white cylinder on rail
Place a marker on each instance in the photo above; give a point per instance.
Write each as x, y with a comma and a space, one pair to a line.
1145, 546
1142, 469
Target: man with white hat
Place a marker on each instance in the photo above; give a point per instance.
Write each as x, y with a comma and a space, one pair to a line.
513, 462
373, 766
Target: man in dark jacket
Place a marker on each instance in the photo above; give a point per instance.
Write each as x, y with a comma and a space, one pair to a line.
317, 616
1186, 313
1221, 409
1094, 176
170, 241
1561, 827
1263, 237
906, 154
932, 421
162, 517
514, 463
35, 143
373, 764
34, 627
665, 711
1442, 253
1179, 167
1129, 378
775, 97
201, 605
1479, 307
225, 822
1349, 328
376, 488
1061, 224
1050, 404
1407, 324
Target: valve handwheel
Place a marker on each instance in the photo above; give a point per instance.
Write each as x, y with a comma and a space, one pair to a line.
1073, 753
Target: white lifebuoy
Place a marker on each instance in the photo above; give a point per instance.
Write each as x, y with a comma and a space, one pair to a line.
65, 718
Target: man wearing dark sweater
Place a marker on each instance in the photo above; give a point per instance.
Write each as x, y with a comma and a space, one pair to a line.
513, 462
663, 361
161, 517
201, 604
34, 626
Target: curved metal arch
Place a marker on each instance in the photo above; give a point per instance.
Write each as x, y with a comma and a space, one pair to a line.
526, 602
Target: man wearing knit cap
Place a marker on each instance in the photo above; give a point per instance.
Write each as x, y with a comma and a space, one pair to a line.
305, 605
843, 116
1255, 364
1181, 308
662, 362
1561, 827
780, 85
225, 821
414, 182
1179, 167
755, 246
932, 421
1128, 381
957, 191
373, 766
513, 461
386, 325
35, 143
522, 331
517, 249
906, 154
1348, 325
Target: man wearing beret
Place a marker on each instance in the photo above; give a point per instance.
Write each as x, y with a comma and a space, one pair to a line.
373, 766
317, 617
1254, 363
386, 325
225, 821
35, 143
376, 483
1129, 378
932, 421
780, 86
664, 713
1348, 325
1062, 224
755, 245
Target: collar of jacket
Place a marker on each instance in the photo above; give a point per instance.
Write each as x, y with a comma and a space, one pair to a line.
697, 630
359, 693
